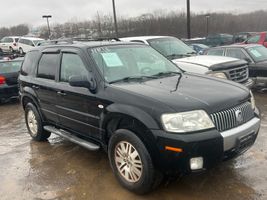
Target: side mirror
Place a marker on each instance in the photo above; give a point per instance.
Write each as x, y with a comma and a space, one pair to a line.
83, 81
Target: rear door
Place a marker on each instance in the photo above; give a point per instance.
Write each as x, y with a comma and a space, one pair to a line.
44, 84
77, 107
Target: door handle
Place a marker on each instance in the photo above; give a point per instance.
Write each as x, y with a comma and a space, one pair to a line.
61, 93
35, 87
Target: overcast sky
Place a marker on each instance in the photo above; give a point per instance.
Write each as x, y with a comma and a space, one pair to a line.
14, 12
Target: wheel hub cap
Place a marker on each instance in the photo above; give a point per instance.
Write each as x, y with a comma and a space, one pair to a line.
128, 162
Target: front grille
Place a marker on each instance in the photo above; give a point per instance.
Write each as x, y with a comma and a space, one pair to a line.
228, 119
238, 75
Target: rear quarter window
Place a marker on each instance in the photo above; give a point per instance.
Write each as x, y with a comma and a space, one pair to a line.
215, 52
29, 63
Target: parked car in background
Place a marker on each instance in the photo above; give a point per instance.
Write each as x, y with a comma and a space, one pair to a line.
9, 71
254, 54
199, 48
9, 44
242, 36
170, 47
219, 39
217, 66
258, 38
152, 119
25, 44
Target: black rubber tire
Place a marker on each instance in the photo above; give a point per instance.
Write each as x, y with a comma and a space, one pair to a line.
21, 52
147, 180
42, 134
11, 50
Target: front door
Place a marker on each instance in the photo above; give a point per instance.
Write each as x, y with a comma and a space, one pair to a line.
76, 105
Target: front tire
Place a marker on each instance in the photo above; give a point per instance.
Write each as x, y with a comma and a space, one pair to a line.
131, 162
34, 123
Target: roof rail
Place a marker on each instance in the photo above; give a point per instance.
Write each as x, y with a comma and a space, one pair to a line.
96, 39
55, 42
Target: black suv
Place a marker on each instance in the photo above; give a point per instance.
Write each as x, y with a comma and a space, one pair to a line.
126, 98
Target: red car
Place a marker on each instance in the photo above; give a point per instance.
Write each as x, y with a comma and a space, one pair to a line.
257, 38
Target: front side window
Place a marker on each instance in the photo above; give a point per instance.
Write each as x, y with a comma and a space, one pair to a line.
215, 52
71, 65
236, 53
119, 62
48, 66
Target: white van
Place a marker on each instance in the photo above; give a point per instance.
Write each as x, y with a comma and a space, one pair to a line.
25, 44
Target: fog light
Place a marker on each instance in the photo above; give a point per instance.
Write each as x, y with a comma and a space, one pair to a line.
196, 163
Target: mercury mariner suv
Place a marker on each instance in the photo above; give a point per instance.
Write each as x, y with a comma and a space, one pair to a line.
126, 98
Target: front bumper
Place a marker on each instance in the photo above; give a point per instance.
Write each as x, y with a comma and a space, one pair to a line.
249, 83
211, 145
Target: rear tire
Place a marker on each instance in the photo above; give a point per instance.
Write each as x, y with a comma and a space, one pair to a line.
21, 52
34, 124
131, 162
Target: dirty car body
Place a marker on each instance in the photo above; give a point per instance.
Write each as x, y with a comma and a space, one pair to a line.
128, 96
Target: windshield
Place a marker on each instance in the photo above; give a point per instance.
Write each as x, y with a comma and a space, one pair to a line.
121, 61
258, 53
169, 46
10, 66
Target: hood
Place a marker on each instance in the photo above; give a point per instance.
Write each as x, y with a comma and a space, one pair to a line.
262, 64
189, 92
213, 62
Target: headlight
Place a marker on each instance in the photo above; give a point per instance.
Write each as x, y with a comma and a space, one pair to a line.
186, 121
218, 75
252, 100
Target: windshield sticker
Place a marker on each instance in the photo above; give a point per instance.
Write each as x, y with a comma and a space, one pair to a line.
256, 53
112, 59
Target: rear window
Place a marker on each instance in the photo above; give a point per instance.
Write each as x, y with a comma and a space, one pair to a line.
29, 62
48, 66
10, 66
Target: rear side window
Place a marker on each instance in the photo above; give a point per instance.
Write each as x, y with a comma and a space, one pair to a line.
10, 66
29, 63
215, 52
48, 66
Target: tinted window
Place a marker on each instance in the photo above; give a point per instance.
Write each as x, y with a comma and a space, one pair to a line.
235, 53
48, 66
71, 65
215, 52
254, 39
16, 39
29, 63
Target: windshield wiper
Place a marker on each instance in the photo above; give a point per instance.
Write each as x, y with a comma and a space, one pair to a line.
167, 73
132, 78
191, 53
172, 56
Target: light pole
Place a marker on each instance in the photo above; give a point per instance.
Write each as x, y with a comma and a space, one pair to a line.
188, 20
207, 23
47, 20
115, 19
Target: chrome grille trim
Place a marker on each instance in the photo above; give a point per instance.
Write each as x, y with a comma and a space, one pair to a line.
239, 74
226, 119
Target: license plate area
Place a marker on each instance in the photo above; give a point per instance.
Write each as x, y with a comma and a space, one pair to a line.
244, 142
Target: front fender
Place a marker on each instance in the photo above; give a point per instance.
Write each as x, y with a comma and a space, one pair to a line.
134, 112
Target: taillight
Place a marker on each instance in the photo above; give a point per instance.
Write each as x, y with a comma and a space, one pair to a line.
15, 44
2, 80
